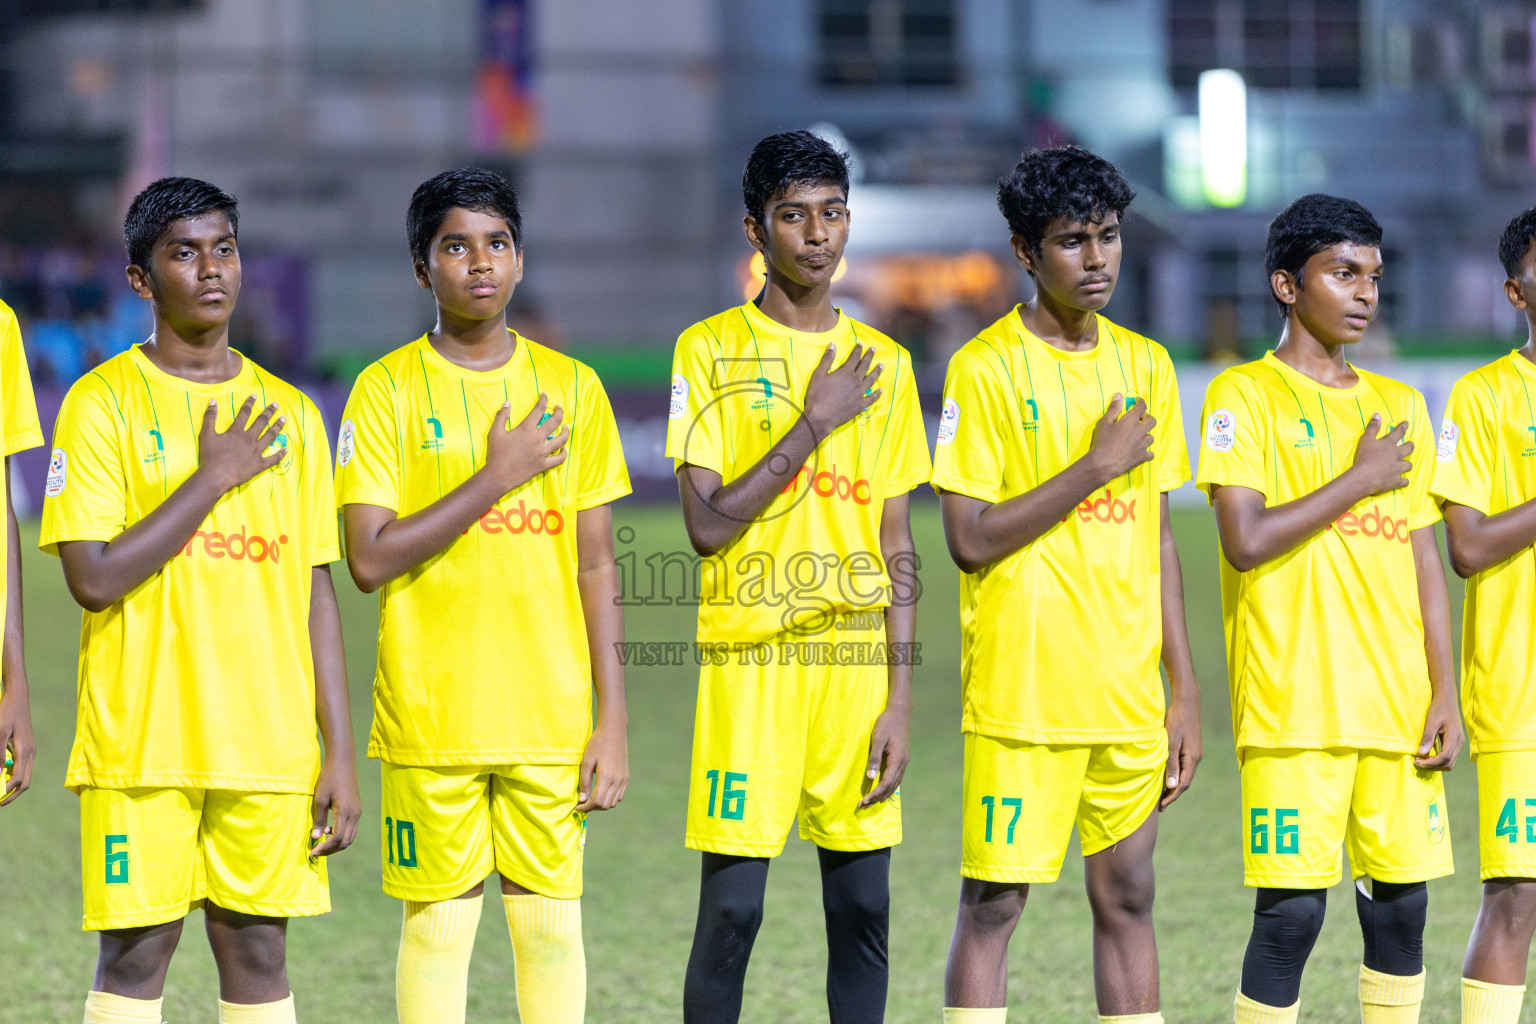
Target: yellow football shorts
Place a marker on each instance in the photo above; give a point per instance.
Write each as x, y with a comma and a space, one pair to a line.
148, 856
447, 828
1021, 800
787, 739
1301, 806
1506, 818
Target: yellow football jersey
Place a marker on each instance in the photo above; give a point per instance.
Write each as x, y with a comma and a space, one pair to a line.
1486, 460
1325, 644
738, 385
1033, 664
19, 429
203, 676
483, 655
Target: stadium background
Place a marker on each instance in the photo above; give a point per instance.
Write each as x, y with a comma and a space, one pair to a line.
625, 125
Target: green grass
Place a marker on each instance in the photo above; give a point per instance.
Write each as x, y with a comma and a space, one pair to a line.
641, 883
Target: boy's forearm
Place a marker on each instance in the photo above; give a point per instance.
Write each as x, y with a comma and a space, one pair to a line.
379, 552
1435, 611
1479, 542
13, 666
1251, 537
333, 712
1177, 658
100, 574
717, 518
1000, 529
599, 588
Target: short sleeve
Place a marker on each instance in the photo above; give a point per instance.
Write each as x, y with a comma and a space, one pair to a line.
601, 475
19, 428
1422, 509
319, 491
1170, 449
1232, 436
968, 452
1466, 450
695, 428
368, 458
85, 496
903, 453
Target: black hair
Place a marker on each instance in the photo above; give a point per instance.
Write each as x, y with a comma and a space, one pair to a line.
166, 201
790, 160
468, 188
1063, 181
1516, 241
1308, 226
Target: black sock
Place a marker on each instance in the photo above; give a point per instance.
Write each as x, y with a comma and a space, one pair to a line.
730, 910
856, 895
1286, 923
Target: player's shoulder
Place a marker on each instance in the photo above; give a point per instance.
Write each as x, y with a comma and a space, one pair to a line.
1137, 346
991, 350
393, 366
1252, 379
561, 367
1393, 391
109, 377
882, 343
285, 393
1487, 383
8, 322
713, 333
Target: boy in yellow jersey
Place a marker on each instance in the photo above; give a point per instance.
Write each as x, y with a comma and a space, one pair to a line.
1485, 478
1058, 442
189, 499
1337, 624
794, 479
19, 430
475, 472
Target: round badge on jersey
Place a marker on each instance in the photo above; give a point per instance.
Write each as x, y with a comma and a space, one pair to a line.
949, 421
679, 403
56, 468
345, 443
1445, 447
1221, 431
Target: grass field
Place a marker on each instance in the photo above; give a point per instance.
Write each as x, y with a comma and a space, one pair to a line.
641, 883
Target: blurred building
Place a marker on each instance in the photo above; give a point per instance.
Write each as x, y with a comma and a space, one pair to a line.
626, 125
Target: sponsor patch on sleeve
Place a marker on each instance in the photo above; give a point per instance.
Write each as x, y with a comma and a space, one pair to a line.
679, 404
949, 421
1445, 446
345, 443
1221, 431
57, 464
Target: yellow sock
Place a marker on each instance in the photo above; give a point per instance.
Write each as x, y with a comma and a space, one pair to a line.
106, 1008
975, 1015
551, 964
432, 971
280, 1012
1133, 1018
1390, 998
1484, 1003
1247, 1011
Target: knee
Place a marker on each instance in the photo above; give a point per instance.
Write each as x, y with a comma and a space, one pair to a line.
735, 916
991, 909
130, 959
1510, 904
1125, 898
1392, 920
259, 953
857, 903
1288, 918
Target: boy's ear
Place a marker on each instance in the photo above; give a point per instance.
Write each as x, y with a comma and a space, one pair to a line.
1284, 284
1023, 253
420, 269
756, 236
1515, 293
138, 280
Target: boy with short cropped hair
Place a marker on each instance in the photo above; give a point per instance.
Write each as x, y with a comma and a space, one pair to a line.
793, 477
19, 430
1055, 499
1337, 624
1485, 478
189, 500
475, 469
